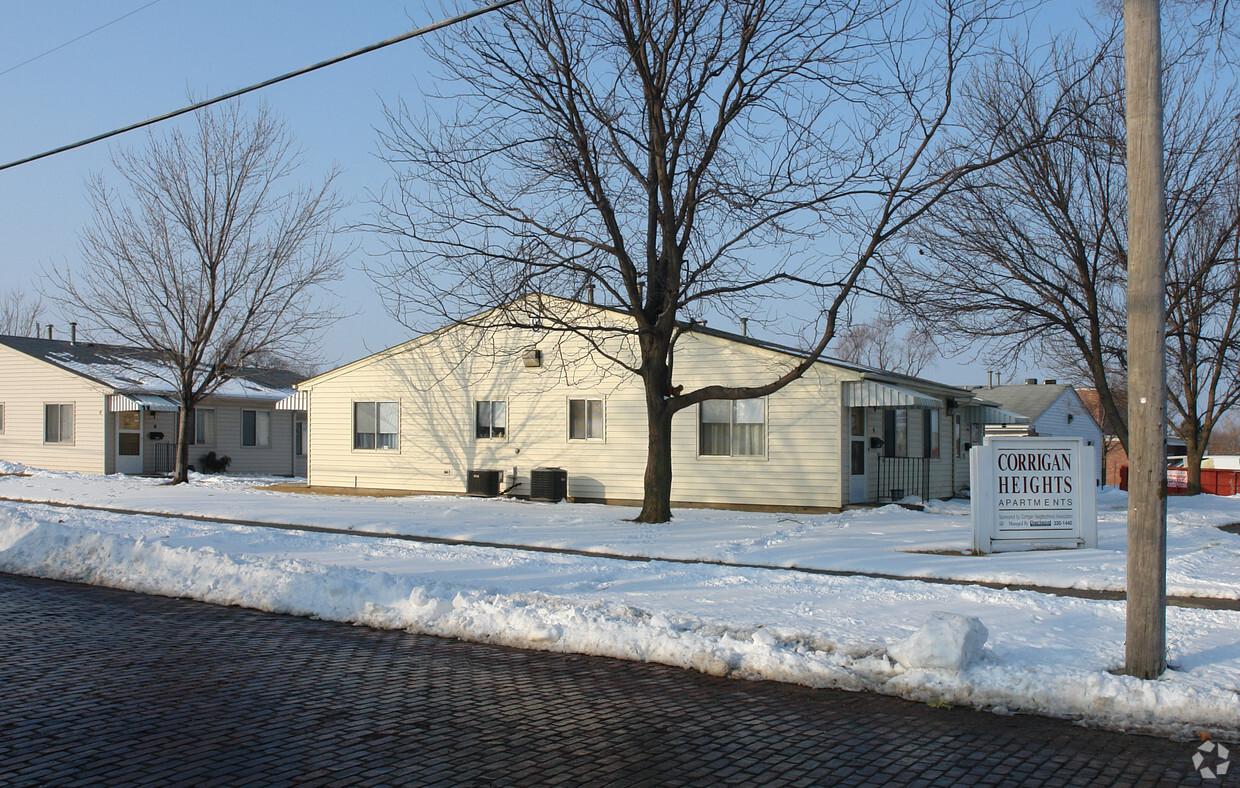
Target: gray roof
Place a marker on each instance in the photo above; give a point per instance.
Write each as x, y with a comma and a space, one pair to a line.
135, 370
1029, 400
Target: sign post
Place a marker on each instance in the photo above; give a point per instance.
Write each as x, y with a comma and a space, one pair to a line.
1035, 491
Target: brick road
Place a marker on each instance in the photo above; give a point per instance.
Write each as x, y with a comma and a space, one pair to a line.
104, 687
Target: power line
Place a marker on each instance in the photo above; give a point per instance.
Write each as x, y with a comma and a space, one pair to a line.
79, 38
258, 86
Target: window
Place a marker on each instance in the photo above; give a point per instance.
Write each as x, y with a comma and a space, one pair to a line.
732, 428
1, 418
585, 419
376, 425
930, 434
256, 428
203, 426
895, 432
957, 438
491, 419
299, 438
58, 423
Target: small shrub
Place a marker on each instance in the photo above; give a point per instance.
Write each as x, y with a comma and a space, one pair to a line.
211, 463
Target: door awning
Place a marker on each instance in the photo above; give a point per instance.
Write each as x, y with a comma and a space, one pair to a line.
118, 403
872, 394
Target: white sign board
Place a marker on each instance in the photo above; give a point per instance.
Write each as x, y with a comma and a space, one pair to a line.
1032, 491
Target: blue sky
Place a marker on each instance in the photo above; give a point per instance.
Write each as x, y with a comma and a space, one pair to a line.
147, 63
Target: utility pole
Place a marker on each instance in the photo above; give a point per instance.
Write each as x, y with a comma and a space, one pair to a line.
1146, 644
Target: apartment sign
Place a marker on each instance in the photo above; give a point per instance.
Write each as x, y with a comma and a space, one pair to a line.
1033, 492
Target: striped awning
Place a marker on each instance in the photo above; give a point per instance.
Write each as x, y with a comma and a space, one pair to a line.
118, 403
296, 401
872, 394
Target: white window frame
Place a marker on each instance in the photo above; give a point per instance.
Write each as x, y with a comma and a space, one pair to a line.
261, 441
1, 418
207, 431
60, 423
490, 403
736, 405
377, 420
602, 419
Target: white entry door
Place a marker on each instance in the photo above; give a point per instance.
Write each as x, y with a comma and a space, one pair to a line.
856, 455
129, 442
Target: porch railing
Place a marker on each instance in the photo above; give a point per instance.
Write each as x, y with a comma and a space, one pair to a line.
163, 459
900, 477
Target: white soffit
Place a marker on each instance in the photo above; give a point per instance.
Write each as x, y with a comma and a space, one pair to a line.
871, 394
118, 403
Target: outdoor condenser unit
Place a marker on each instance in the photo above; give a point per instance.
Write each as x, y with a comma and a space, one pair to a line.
548, 484
483, 483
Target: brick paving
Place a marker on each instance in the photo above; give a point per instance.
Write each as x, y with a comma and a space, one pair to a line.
106, 687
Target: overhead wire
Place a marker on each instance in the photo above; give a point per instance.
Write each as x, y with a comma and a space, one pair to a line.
79, 38
268, 82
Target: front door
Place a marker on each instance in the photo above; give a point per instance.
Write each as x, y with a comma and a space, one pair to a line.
856, 455
129, 441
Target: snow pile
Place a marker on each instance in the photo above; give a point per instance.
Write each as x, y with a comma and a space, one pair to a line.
1050, 655
946, 640
1202, 560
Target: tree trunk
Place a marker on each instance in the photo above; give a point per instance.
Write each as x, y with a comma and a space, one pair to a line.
657, 483
181, 473
1194, 451
657, 488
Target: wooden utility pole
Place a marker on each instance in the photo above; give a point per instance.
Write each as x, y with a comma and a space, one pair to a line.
1146, 645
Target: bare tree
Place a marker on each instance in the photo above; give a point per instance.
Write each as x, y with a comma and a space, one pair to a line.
879, 343
682, 158
214, 256
19, 314
1032, 257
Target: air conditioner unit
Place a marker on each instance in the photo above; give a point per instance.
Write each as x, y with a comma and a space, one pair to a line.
483, 483
548, 484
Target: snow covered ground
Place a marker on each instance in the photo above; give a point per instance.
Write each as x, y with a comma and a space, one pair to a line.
1044, 654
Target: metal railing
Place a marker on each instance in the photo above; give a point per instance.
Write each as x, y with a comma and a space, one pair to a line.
163, 459
900, 477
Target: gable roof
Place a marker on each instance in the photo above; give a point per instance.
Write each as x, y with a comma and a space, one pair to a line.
691, 327
139, 371
1029, 400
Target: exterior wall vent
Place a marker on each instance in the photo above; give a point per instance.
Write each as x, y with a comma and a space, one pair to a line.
532, 357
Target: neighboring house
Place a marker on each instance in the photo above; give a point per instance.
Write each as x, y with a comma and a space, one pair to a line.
1114, 457
81, 406
421, 415
1052, 409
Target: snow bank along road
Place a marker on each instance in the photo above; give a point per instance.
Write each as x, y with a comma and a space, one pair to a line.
270, 700
1045, 654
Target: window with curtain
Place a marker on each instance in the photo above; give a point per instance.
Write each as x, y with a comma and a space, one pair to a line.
490, 419
930, 434
203, 425
895, 432
585, 419
376, 425
256, 428
732, 428
58, 423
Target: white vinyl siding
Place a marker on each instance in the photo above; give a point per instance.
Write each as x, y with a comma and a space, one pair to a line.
376, 425
58, 423
439, 387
